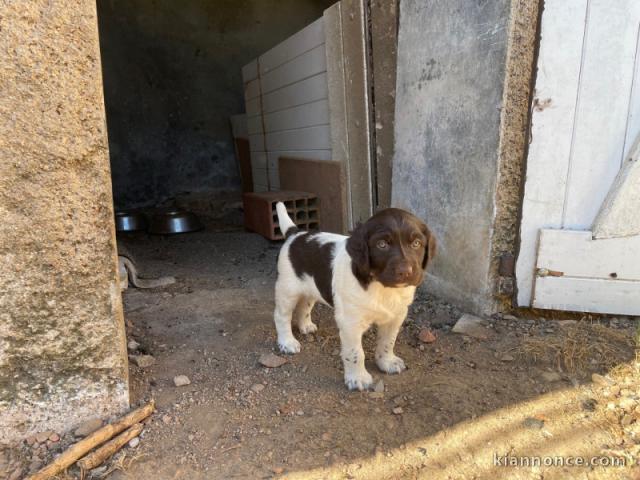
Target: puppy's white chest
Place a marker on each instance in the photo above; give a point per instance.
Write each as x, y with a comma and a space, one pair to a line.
388, 303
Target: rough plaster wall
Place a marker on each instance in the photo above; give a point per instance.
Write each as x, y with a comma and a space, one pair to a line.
514, 137
172, 73
62, 344
451, 70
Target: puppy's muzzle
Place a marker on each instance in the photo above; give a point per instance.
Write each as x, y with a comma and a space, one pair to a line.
403, 273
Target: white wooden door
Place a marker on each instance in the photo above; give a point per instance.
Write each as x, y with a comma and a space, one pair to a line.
585, 120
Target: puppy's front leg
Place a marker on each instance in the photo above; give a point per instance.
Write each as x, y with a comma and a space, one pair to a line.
355, 374
386, 360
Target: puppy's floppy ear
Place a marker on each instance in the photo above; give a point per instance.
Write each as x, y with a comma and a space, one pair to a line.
430, 248
358, 250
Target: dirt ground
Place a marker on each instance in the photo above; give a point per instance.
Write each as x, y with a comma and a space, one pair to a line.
463, 405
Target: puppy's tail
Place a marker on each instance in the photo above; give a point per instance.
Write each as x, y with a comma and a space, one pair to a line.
287, 227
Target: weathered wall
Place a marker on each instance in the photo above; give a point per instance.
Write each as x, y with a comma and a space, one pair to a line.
62, 344
512, 152
172, 74
452, 70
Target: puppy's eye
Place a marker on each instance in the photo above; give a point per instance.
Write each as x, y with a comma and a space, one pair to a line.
382, 244
416, 244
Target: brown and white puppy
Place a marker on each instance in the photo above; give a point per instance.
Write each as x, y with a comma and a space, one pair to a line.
369, 278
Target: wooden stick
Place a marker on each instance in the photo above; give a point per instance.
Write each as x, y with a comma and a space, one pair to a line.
84, 446
99, 455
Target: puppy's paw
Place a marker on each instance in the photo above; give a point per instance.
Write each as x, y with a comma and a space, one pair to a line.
307, 328
391, 364
358, 380
290, 345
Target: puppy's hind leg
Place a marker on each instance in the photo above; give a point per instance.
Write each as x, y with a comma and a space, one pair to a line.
285, 305
302, 316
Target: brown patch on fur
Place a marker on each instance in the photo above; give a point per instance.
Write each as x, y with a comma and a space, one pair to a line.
309, 257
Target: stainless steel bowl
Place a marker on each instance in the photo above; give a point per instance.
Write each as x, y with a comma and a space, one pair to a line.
174, 221
130, 222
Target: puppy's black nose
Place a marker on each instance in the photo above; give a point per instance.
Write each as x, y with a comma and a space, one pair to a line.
403, 272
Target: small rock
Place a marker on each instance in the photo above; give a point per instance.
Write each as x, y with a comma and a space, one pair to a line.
376, 395
143, 361
257, 387
507, 358
31, 439
166, 419
589, 404
551, 377
134, 442
43, 436
398, 411
271, 360
54, 437
379, 386
531, 422
181, 381
510, 318
326, 436
277, 470
601, 380
133, 345
471, 326
300, 413
88, 427
627, 420
426, 336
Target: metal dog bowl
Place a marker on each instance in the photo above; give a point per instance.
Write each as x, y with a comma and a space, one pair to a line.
174, 221
130, 222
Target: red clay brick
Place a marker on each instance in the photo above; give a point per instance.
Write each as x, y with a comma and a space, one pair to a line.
260, 211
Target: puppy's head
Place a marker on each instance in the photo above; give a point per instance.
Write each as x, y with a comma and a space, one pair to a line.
393, 247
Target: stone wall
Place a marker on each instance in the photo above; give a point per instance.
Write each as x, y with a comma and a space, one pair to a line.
464, 71
62, 341
172, 73
512, 152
